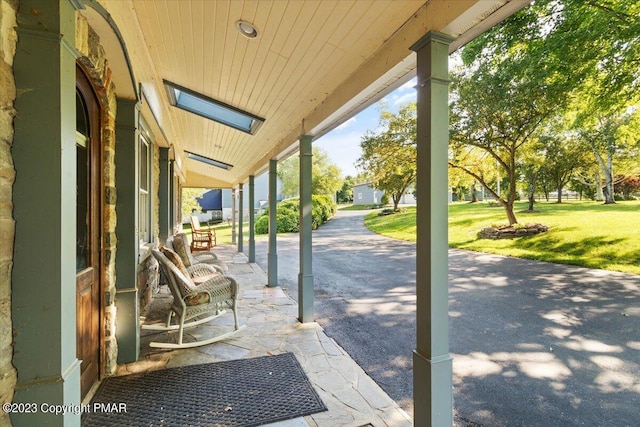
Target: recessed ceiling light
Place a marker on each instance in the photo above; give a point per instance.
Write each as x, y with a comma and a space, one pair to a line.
247, 29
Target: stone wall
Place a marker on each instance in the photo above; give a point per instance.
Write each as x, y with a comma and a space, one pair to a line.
148, 279
95, 62
8, 39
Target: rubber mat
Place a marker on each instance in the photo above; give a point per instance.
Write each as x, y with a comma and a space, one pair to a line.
245, 392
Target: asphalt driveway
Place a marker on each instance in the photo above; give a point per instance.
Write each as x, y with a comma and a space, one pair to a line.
534, 344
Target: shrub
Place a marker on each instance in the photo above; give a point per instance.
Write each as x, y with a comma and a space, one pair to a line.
288, 217
262, 225
287, 220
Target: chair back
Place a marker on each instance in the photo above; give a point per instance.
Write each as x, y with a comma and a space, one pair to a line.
178, 284
169, 243
195, 222
182, 248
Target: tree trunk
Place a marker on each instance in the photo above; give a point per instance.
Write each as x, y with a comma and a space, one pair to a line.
532, 195
474, 197
599, 193
396, 200
610, 193
508, 207
560, 194
607, 170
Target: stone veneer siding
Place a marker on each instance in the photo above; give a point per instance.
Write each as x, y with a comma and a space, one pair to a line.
8, 37
95, 61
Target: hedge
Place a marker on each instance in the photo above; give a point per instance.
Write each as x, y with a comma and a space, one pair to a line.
288, 217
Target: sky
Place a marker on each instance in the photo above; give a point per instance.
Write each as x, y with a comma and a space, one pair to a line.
343, 143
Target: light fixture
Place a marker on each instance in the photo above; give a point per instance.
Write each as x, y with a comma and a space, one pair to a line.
209, 161
247, 29
212, 109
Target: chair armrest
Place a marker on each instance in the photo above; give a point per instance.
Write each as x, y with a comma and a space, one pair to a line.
221, 281
201, 234
198, 270
204, 256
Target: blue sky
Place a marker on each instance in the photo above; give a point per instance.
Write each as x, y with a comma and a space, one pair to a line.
343, 143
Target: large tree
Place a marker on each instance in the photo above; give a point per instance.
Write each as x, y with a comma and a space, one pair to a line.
563, 155
189, 202
519, 73
612, 136
499, 101
345, 194
389, 154
326, 176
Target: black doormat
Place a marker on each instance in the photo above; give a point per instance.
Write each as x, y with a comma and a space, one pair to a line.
246, 392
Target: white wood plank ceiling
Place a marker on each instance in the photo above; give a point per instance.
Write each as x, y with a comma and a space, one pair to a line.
310, 59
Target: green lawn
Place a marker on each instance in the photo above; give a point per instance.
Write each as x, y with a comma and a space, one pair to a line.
588, 234
223, 232
357, 207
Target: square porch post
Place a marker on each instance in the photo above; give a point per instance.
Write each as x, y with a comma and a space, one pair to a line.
252, 220
43, 287
233, 216
240, 218
127, 211
432, 363
305, 277
164, 192
272, 256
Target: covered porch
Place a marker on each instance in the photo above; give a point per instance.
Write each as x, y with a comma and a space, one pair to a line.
112, 107
351, 396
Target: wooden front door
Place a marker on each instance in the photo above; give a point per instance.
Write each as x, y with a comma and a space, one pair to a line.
88, 208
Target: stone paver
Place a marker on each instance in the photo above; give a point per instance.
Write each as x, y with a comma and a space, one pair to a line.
270, 316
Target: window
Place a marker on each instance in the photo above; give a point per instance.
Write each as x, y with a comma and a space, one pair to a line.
144, 200
211, 109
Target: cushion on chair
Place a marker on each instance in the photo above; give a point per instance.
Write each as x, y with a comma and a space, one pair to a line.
176, 260
197, 299
181, 246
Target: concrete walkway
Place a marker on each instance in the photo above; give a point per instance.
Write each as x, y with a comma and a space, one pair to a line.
270, 316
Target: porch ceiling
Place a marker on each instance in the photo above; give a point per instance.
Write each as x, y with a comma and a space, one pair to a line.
313, 65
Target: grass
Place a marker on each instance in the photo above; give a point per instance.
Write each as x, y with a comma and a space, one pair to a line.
357, 207
587, 234
223, 232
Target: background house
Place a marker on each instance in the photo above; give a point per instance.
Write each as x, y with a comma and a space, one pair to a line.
261, 197
366, 194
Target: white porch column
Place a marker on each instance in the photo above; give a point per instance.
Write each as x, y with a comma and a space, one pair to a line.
233, 216
272, 255
240, 218
252, 219
432, 363
305, 277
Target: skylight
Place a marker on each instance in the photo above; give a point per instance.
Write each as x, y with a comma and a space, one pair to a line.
209, 161
209, 108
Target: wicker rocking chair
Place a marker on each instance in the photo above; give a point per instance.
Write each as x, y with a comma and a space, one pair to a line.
180, 244
195, 305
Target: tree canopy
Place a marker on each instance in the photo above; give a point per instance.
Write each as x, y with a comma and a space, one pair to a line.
326, 176
389, 155
548, 59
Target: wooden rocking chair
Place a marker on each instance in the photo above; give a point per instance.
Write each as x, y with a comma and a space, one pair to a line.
202, 239
194, 305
